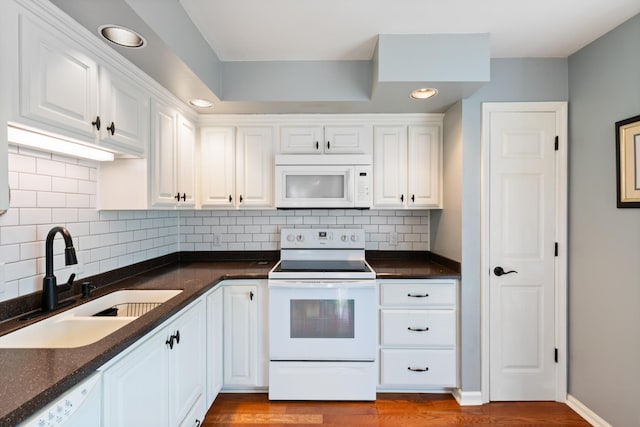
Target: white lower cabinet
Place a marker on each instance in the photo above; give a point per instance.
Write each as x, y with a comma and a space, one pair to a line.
418, 334
246, 357
162, 381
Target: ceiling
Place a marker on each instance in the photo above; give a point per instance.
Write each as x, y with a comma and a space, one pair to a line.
334, 56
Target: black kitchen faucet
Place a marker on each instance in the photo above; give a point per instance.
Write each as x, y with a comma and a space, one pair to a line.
50, 287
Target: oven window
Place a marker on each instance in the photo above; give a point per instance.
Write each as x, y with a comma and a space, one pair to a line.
315, 187
322, 318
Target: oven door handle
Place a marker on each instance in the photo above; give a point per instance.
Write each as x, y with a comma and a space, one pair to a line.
322, 284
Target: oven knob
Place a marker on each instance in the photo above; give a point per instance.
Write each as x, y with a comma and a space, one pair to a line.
290, 238
354, 238
344, 237
300, 238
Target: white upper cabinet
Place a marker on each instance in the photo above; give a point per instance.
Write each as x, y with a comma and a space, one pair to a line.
407, 167
124, 114
330, 139
64, 90
58, 81
172, 158
236, 169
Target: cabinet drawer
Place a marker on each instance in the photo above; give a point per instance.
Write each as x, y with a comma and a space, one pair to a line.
418, 327
418, 294
433, 368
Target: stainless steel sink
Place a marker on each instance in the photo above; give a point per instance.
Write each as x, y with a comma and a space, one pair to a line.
79, 326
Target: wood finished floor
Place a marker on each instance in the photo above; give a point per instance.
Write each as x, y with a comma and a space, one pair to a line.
396, 409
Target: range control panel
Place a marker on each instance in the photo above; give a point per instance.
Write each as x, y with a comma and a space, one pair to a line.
321, 238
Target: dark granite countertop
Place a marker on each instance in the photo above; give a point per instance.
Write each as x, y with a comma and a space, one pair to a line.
31, 378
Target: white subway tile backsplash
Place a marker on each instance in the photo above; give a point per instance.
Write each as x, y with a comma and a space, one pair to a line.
49, 190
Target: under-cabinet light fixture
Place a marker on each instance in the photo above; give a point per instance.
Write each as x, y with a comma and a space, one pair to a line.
424, 93
200, 103
122, 36
54, 144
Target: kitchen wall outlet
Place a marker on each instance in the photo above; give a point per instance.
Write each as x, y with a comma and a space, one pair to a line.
216, 240
393, 238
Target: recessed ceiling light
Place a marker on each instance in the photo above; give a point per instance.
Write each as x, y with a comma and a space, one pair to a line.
122, 36
424, 93
200, 103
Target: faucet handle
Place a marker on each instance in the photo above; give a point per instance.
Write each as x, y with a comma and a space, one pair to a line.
67, 285
86, 289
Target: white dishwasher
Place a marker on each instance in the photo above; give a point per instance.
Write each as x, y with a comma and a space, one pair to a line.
79, 407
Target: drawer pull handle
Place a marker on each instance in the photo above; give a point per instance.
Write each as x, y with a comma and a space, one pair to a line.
418, 329
418, 369
418, 295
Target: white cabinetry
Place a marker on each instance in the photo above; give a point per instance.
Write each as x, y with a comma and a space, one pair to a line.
407, 166
65, 91
162, 381
172, 158
245, 335
236, 167
418, 334
215, 353
331, 139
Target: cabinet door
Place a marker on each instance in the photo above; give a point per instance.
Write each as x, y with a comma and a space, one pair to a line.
58, 81
347, 140
389, 166
240, 335
424, 167
215, 321
163, 156
186, 162
301, 139
217, 167
254, 167
187, 365
136, 387
124, 109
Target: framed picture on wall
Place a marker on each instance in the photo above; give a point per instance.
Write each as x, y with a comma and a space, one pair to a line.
628, 162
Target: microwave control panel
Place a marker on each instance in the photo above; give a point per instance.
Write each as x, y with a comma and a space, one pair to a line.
363, 187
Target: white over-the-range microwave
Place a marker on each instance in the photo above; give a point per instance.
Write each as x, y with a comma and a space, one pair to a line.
323, 181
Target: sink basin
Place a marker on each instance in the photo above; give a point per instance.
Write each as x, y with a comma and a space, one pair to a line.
79, 326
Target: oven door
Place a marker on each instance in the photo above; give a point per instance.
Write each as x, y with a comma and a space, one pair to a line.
322, 320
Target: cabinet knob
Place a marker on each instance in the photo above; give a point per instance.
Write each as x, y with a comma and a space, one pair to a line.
177, 336
413, 198
169, 342
112, 128
96, 123
417, 329
177, 197
240, 198
402, 197
317, 145
418, 369
251, 296
418, 295
328, 145
184, 197
230, 198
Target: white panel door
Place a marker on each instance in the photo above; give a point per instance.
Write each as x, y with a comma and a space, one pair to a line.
186, 163
423, 165
124, 114
240, 336
301, 139
215, 354
522, 238
254, 167
58, 81
346, 140
187, 365
217, 167
163, 156
389, 166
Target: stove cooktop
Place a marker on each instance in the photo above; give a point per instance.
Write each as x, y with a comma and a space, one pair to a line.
322, 266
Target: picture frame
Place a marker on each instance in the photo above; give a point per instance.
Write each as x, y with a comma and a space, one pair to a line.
628, 162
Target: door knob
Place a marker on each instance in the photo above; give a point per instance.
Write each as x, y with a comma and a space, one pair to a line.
499, 271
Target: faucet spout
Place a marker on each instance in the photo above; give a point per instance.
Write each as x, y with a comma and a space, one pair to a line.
49, 283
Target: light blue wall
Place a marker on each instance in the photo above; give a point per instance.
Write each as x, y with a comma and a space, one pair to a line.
604, 242
512, 80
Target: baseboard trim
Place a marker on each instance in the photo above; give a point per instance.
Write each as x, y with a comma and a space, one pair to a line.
586, 413
467, 398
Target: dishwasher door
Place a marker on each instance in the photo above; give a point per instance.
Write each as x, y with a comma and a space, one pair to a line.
79, 407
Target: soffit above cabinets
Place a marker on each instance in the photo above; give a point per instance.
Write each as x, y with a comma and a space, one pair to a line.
332, 56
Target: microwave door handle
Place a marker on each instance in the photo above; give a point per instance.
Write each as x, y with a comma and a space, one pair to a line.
351, 180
